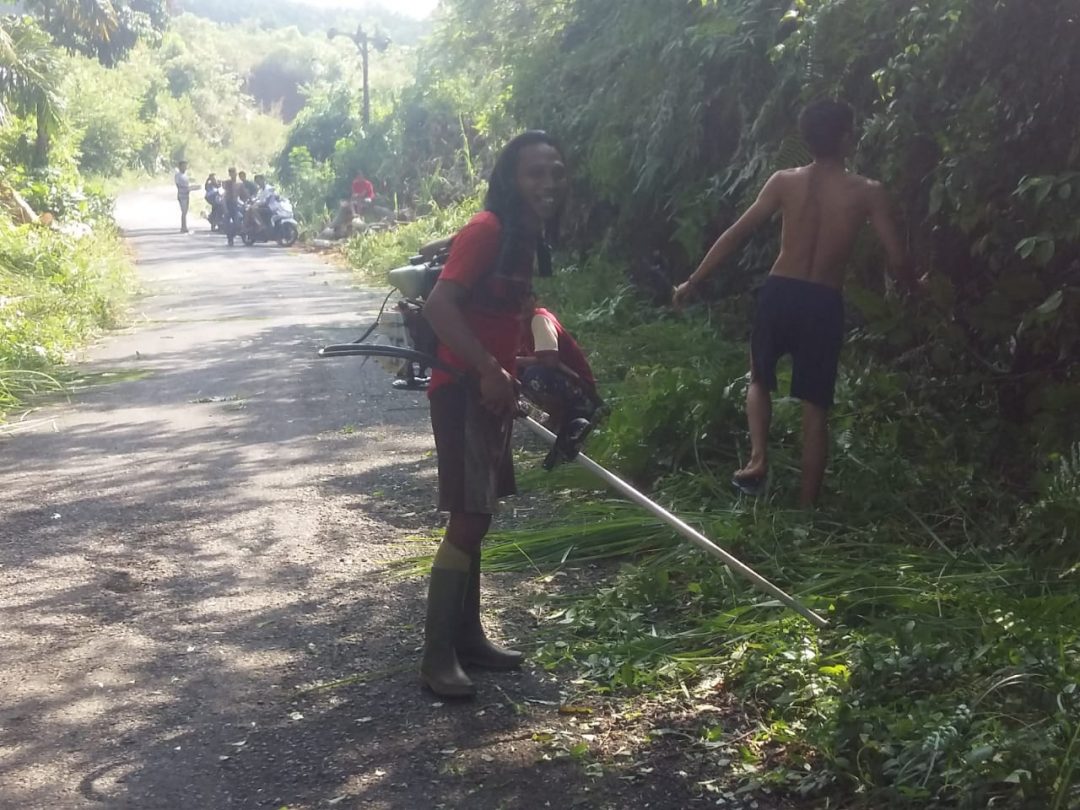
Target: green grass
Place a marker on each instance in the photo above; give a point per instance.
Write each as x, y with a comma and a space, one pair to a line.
56, 292
949, 675
947, 679
374, 254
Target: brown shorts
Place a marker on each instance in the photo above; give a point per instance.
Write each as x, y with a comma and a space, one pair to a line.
473, 446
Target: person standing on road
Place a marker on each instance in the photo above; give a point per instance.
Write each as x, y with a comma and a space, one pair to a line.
476, 311
183, 192
234, 193
800, 308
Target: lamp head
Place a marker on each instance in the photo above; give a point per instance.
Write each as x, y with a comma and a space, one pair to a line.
381, 41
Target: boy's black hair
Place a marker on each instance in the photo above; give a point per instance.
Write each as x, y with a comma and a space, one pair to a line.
504, 201
823, 125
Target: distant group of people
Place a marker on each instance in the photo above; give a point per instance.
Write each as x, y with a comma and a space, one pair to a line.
239, 204
227, 199
230, 195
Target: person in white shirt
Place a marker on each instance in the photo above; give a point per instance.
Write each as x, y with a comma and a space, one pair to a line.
254, 218
183, 192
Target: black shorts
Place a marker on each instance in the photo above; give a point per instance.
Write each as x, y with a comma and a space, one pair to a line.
806, 320
473, 446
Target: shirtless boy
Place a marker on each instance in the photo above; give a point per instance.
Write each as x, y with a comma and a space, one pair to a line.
800, 309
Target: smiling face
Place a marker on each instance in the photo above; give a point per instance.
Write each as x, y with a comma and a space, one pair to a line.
541, 182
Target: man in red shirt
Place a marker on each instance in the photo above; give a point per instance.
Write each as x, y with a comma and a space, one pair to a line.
363, 192
475, 310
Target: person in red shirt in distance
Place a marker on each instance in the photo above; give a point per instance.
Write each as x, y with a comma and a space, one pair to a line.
363, 192
476, 311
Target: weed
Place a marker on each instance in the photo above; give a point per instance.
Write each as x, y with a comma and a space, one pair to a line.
56, 290
949, 676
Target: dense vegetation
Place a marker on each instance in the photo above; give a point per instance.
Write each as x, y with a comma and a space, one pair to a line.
309, 19
57, 289
947, 548
63, 274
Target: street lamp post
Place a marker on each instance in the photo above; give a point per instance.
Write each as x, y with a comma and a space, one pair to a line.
361, 39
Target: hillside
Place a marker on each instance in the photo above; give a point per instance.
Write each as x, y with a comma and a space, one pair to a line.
402, 29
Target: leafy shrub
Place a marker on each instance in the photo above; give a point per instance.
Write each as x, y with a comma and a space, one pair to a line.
56, 291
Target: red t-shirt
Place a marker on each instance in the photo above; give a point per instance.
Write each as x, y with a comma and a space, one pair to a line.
493, 310
569, 351
363, 188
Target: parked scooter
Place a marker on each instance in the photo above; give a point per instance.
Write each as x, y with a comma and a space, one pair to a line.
215, 197
276, 222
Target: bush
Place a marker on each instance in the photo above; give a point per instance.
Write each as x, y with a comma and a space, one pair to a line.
56, 291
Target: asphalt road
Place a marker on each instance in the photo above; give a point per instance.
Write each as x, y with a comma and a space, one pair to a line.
200, 531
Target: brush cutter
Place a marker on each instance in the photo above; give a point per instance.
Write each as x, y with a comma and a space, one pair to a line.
408, 342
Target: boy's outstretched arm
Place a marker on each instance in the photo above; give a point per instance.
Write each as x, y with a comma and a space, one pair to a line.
883, 222
764, 207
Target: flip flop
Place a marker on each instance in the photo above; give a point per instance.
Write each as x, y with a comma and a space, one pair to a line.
754, 486
413, 384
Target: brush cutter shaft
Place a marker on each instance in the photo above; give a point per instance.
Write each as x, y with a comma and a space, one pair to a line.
682, 528
691, 534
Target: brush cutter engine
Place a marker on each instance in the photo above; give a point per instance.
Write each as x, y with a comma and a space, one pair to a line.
404, 325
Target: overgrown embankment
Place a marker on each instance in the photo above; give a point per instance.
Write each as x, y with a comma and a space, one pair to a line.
59, 286
947, 546
949, 676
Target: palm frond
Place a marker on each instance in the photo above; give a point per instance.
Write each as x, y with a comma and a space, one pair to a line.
30, 71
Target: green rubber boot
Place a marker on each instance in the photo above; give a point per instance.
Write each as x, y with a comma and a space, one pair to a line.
440, 670
473, 646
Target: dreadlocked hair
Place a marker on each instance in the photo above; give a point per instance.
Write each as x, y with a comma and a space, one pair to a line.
504, 201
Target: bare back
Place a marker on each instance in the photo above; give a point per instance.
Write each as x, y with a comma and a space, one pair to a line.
823, 208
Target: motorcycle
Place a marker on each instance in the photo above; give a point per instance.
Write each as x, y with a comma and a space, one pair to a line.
216, 200
276, 223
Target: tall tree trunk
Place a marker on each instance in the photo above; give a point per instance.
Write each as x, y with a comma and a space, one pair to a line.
41, 141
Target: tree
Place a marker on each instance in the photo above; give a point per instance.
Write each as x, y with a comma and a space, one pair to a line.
29, 79
105, 30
